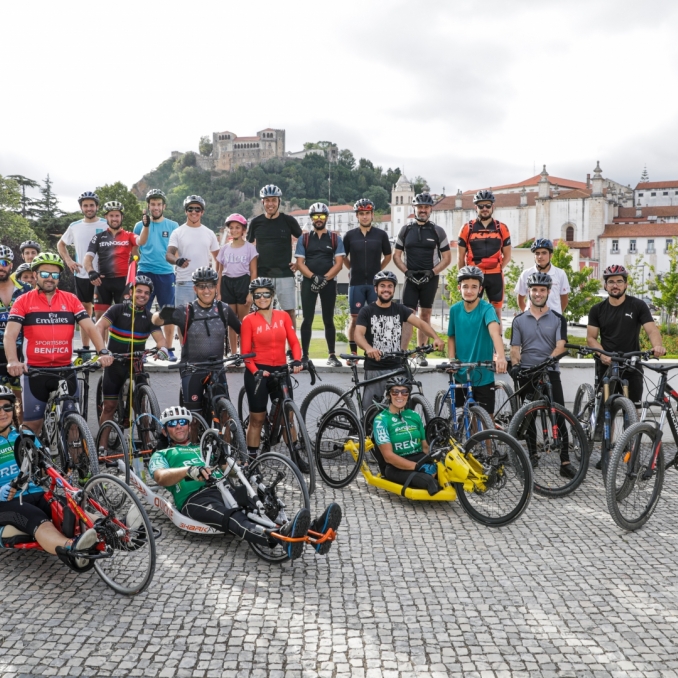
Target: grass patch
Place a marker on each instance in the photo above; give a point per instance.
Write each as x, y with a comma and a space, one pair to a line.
318, 349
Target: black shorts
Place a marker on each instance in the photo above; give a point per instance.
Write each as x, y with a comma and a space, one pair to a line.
493, 286
483, 395
193, 387
258, 401
84, 290
35, 390
420, 481
415, 296
634, 377
26, 513
114, 379
110, 291
235, 290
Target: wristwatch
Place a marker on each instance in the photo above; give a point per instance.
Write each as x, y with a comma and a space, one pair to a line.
104, 351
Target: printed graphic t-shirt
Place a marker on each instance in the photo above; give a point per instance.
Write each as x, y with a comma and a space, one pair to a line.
383, 330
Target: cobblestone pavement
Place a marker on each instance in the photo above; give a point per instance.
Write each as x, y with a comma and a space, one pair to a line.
409, 589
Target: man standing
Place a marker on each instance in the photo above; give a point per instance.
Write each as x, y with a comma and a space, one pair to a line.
421, 253
486, 243
368, 251
79, 235
191, 246
379, 330
155, 231
320, 256
272, 233
542, 249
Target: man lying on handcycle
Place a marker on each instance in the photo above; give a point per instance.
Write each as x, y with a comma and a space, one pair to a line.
401, 437
181, 469
28, 512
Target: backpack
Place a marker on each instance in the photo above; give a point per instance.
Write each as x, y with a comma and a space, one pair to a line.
190, 313
334, 238
412, 224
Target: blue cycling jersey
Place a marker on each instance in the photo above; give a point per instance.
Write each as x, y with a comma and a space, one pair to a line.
9, 469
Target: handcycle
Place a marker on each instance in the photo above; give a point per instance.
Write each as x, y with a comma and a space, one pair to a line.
284, 426
551, 433
490, 473
270, 489
635, 475
124, 556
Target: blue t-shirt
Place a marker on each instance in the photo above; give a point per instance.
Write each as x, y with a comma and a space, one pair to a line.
9, 469
472, 339
153, 252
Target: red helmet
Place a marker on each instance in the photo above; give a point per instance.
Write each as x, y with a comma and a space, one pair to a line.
615, 269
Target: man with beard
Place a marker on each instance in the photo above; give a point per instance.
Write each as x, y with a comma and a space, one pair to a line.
542, 248
114, 247
379, 330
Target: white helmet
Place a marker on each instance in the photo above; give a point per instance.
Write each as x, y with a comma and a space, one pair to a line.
175, 412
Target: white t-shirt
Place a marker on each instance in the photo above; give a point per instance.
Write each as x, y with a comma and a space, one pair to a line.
78, 235
560, 286
195, 244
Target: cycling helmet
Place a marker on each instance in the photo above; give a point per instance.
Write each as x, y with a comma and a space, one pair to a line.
194, 199
385, 275
615, 269
114, 205
270, 191
156, 193
539, 278
88, 195
363, 205
423, 199
482, 195
175, 412
21, 268
318, 208
32, 244
144, 280
47, 258
471, 273
204, 274
262, 283
398, 381
238, 218
6, 253
542, 244
6, 393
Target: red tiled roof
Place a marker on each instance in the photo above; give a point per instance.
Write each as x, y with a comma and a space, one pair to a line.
659, 211
502, 200
575, 194
656, 184
386, 217
642, 230
533, 181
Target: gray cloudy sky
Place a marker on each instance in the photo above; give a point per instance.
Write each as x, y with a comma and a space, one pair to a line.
465, 93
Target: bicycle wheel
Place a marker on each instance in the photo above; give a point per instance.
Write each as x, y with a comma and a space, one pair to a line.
438, 409
368, 428
532, 428
198, 427
147, 417
295, 437
506, 492
282, 490
505, 403
114, 451
80, 449
100, 397
635, 476
479, 419
338, 464
623, 415
230, 426
422, 407
243, 408
124, 527
319, 401
584, 403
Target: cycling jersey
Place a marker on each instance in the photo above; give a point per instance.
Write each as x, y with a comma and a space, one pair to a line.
48, 326
114, 251
484, 245
122, 338
422, 245
268, 340
9, 469
365, 252
404, 431
21, 288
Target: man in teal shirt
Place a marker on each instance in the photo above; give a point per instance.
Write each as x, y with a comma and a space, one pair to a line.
474, 335
155, 233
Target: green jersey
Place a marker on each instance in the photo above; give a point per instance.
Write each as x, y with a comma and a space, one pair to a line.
175, 457
404, 431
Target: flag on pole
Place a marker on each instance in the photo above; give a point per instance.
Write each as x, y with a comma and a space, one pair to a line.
132, 271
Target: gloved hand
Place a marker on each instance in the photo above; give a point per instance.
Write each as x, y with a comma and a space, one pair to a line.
410, 275
431, 469
430, 274
167, 313
94, 275
198, 473
317, 283
4, 492
146, 219
515, 370
162, 354
181, 261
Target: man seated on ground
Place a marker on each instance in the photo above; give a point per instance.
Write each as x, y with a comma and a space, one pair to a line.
181, 469
400, 435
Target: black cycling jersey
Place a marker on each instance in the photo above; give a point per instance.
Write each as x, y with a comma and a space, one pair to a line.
421, 245
274, 244
365, 252
122, 337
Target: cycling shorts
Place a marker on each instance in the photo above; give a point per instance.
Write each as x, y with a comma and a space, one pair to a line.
26, 513
258, 400
235, 290
84, 290
415, 296
109, 292
193, 387
359, 296
483, 395
114, 379
493, 287
35, 390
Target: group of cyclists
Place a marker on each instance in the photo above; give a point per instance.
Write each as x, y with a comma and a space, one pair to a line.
250, 295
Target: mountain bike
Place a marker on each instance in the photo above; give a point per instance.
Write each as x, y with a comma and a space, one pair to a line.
83, 381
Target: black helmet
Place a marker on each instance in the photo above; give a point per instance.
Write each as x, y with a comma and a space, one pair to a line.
399, 381
471, 273
32, 244
262, 283
539, 278
194, 199
363, 205
156, 193
144, 280
385, 275
542, 244
423, 199
482, 195
88, 195
615, 269
270, 191
204, 274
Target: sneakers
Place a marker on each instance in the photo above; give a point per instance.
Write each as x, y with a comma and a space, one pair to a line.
172, 357
297, 527
332, 361
421, 360
83, 543
329, 519
567, 471
599, 464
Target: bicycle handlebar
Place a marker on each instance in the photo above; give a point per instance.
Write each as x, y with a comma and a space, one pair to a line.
284, 372
456, 365
543, 366
89, 366
134, 354
616, 356
212, 363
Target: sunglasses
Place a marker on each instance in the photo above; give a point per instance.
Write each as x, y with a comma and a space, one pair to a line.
5, 262
194, 209
206, 286
486, 206
262, 295
399, 392
177, 422
46, 274
7, 408
320, 217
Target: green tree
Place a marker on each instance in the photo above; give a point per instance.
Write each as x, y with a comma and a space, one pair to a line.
451, 294
14, 229
205, 146
28, 208
418, 183
583, 287
118, 191
511, 274
47, 206
379, 196
637, 280
667, 286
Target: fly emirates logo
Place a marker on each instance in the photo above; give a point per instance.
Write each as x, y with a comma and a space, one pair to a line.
53, 319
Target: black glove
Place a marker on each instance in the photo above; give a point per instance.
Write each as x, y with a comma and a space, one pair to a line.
196, 473
429, 274
167, 313
259, 375
515, 370
296, 363
146, 220
181, 261
410, 275
94, 276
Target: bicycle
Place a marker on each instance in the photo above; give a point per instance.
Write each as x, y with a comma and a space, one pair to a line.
551, 433
284, 427
124, 556
83, 381
635, 476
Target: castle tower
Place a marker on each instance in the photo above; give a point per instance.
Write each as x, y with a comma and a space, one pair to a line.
401, 203
543, 223
597, 206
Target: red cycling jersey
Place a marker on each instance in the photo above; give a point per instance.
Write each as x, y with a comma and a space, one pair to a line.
48, 326
268, 340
